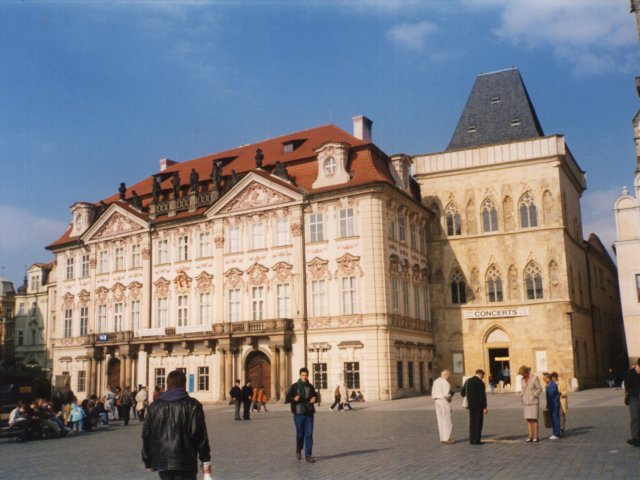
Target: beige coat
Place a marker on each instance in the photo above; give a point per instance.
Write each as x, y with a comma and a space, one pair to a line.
531, 391
141, 398
564, 395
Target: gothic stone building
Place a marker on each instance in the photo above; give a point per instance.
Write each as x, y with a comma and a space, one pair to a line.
308, 249
513, 280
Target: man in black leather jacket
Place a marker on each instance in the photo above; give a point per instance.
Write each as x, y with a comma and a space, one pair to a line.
174, 433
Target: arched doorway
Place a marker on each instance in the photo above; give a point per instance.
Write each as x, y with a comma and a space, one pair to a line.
113, 373
258, 370
497, 346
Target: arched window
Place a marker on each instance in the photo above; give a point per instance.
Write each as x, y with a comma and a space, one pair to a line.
528, 211
454, 224
489, 216
533, 282
458, 288
494, 284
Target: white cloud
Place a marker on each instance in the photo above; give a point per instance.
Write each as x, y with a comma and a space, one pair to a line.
412, 35
590, 35
598, 217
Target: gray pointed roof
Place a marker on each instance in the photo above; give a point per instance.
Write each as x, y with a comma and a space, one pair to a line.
498, 110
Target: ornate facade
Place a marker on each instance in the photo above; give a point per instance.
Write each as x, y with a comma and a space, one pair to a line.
308, 249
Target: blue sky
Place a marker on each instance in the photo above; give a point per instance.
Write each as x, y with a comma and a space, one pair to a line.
95, 93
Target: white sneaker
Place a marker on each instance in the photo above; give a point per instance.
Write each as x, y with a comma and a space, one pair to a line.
553, 437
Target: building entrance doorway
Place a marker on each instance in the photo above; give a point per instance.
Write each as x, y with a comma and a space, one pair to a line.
499, 365
113, 373
258, 370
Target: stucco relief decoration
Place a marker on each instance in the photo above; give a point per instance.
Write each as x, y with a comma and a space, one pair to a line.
318, 269
415, 273
426, 276
255, 195
182, 282
84, 297
92, 262
296, 229
233, 277
282, 271
162, 287
475, 281
146, 253
405, 268
348, 265
67, 301
219, 241
394, 265
257, 274
118, 292
116, 225
204, 282
101, 295
553, 274
135, 289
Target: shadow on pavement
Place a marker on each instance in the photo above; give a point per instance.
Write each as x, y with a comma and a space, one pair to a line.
351, 453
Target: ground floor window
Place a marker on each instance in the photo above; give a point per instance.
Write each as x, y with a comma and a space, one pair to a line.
352, 374
203, 378
400, 375
320, 376
160, 378
82, 381
410, 374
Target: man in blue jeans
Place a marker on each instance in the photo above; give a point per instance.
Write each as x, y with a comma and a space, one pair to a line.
302, 397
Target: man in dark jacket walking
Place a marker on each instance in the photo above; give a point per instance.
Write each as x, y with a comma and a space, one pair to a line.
236, 396
302, 397
632, 398
174, 433
126, 401
247, 398
475, 391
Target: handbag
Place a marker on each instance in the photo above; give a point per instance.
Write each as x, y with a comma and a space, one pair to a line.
465, 402
548, 422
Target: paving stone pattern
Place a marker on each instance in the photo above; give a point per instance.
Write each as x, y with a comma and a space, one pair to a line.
381, 440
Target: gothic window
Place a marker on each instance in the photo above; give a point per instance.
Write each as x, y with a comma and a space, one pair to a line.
494, 284
533, 282
489, 216
458, 288
528, 211
454, 223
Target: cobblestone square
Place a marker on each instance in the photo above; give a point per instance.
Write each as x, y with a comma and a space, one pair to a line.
395, 439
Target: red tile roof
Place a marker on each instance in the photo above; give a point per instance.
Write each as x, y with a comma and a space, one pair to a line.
367, 164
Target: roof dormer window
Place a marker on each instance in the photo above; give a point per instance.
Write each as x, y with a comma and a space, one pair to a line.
291, 145
515, 122
471, 129
288, 147
495, 99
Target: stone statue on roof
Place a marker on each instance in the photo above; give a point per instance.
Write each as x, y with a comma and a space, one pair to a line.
156, 189
234, 177
175, 185
122, 190
281, 171
193, 180
259, 158
136, 201
216, 175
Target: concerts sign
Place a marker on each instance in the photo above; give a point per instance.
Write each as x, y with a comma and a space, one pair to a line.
497, 313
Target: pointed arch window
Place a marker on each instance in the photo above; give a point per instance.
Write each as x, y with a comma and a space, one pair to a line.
533, 282
494, 284
528, 211
458, 288
454, 223
489, 216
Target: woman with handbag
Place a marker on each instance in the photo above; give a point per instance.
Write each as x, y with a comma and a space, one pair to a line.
531, 390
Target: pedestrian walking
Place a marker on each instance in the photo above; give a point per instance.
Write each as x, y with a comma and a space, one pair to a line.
174, 433
302, 397
247, 398
564, 399
632, 399
475, 391
611, 379
336, 398
126, 401
442, 394
531, 390
142, 400
236, 398
344, 397
553, 404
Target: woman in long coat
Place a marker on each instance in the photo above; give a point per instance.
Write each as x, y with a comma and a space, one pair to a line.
531, 390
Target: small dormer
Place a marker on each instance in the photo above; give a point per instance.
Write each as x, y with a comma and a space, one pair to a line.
83, 214
332, 164
402, 169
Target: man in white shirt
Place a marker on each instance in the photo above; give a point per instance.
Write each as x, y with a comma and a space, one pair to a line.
441, 393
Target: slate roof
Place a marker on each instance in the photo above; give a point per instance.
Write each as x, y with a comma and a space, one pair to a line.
498, 110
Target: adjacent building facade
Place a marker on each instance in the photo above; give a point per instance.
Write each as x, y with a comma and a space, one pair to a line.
7, 302
511, 280
308, 249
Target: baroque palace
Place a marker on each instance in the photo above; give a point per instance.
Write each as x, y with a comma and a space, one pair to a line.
318, 249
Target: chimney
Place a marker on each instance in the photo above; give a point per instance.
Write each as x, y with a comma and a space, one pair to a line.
166, 163
362, 128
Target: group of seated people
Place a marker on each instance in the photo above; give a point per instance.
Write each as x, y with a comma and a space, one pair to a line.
44, 419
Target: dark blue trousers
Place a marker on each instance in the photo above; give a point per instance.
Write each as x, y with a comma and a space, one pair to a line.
555, 419
304, 432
